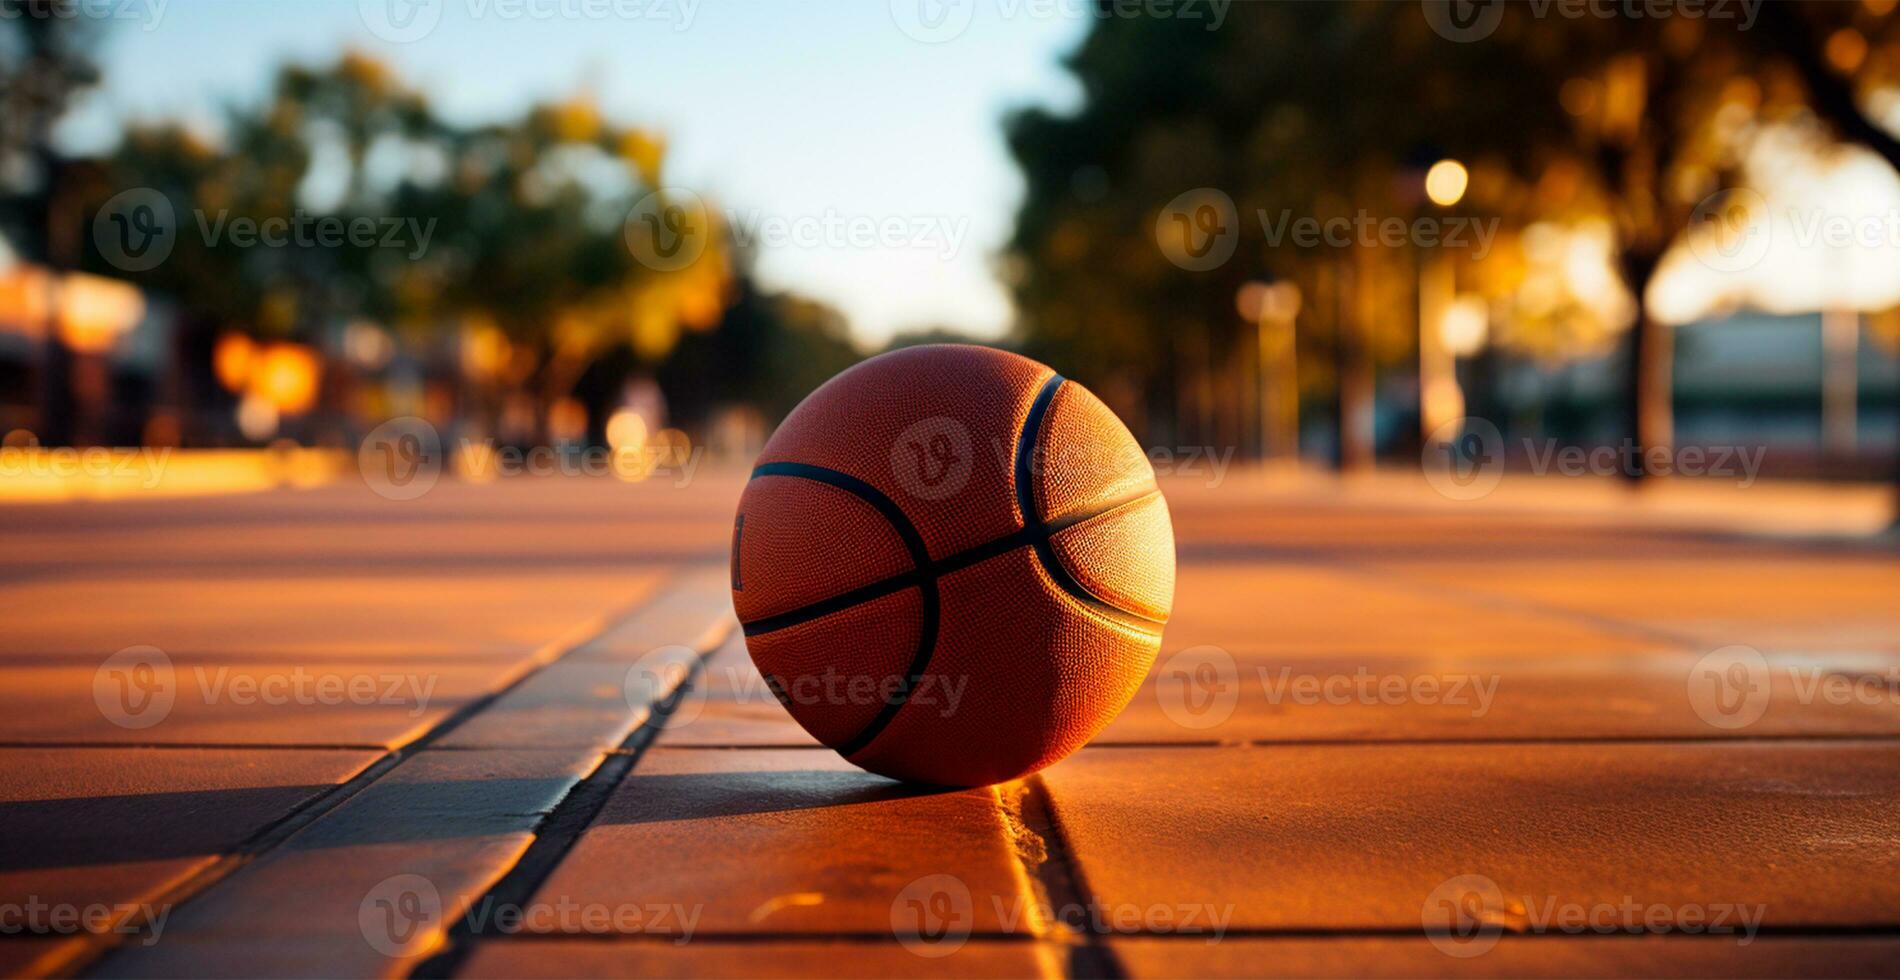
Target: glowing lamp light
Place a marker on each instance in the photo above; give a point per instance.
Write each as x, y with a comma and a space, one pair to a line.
286, 378
1282, 301
1443, 399
485, 352
1274, 301
1846, 49
231, 360
1251, 301
367, 345
1445, 183
627, 431
25, 300
94, 312
1465, 325
256, 418
627, 434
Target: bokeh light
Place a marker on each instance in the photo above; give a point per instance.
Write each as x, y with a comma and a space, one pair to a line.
1445, 183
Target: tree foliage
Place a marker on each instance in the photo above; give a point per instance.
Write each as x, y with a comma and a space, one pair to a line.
1328, 110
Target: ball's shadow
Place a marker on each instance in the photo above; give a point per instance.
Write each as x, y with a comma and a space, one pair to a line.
666, 797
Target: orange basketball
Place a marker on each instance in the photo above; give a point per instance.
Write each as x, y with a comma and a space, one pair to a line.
952, 565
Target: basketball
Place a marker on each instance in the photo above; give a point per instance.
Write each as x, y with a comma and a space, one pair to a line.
952, 565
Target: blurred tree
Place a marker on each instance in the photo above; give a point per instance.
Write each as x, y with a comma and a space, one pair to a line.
769, 350
1661, 109
512, 233
1856, 64
1329, 110
1667, 111
45, 63
1299, 113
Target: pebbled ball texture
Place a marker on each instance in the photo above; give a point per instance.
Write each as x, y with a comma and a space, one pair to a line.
952, 565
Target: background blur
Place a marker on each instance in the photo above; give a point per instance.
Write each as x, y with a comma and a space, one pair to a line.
1350, 235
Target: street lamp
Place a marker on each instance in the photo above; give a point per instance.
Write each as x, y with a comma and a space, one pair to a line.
1445, 183
1440, 399
1272, 308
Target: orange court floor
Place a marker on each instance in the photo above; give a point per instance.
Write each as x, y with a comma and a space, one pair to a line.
508, 729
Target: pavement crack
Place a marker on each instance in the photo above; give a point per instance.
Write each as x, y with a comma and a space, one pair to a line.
561, 829
274, 834
1032, 852
1059, 889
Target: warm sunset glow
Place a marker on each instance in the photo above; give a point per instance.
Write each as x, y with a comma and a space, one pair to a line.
1045, 487
1819, 236
45, 475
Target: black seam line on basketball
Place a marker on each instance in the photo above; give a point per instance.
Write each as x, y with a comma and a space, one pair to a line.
1026, 443
937, 569
927, 588
1026, 448
899, 521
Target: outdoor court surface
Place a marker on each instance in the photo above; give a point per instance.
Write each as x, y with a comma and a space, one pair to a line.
1373, 706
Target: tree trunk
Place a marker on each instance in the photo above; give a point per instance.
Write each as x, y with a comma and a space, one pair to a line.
1439, 398
1356, 381
1648, 416
1785, 31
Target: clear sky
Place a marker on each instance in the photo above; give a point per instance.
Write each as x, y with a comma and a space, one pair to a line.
797, 117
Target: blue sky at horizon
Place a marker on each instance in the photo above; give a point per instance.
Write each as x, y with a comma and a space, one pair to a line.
788, 114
